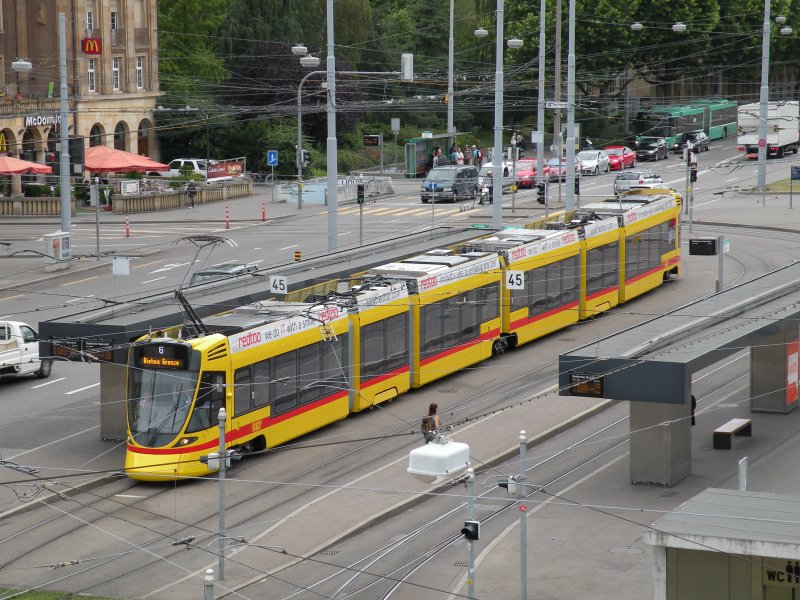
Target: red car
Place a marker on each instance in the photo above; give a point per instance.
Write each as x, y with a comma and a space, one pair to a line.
526, 173
620, 157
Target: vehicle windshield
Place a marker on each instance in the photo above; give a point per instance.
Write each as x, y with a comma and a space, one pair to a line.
441, 175
649, 145
614, 151
527, 165
553, 162
588, 155
158, 404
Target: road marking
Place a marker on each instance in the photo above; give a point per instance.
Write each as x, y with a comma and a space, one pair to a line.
288, 247
51, 382
168, 267
345, 233
732, 179
156, 279
80, 299
11, 297
79, 281
64, 439
255, 262
128, 496
223, 263
81, 389
155, 262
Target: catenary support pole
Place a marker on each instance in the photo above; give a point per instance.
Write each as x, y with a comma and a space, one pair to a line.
331, 149
451, 129
63, 127
540, 105
208, 585
470, 543
720, 260
763, 106
570, 203
497, 153
223, 458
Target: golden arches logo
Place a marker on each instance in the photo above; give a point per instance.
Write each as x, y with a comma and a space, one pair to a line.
92, 45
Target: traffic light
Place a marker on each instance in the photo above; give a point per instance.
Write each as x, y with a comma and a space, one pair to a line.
541, 193
304, 157
472, 530
693, 173
360, 189
577, 186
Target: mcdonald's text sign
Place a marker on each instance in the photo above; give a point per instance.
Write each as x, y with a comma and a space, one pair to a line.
92, 45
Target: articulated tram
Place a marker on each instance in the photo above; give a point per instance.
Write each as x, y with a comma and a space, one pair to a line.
283, 369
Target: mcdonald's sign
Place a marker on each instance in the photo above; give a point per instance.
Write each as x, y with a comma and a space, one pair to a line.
92, 45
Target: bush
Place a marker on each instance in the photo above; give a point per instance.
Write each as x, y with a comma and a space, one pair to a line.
35, 190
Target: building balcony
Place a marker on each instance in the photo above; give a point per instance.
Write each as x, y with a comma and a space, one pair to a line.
27, 106
117, 39
142, 35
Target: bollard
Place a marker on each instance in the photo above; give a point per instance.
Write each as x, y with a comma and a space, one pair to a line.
263, 211
127, 227
297, 255
227, 218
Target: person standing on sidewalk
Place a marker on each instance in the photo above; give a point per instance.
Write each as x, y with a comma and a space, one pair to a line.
191, 190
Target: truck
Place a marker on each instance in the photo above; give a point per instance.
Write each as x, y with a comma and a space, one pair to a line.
19, 351
783, 128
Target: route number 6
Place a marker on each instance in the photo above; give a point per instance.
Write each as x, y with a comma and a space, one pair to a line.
278, 284
515, 280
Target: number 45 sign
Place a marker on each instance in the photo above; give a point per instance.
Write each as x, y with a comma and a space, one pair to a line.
278, 284
515, 280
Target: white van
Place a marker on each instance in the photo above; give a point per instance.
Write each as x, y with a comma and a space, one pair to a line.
197, 165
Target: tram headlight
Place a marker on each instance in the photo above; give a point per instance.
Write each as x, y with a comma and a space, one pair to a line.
185, 441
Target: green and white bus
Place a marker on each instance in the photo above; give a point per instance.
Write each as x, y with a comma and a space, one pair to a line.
717, 118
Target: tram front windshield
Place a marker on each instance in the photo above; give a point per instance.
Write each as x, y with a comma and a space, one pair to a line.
158, 403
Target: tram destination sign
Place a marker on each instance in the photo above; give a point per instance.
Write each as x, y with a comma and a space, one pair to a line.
590, 385
161, 356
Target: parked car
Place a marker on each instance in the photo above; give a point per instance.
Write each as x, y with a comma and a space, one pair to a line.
594, 161
620, 157
629, 180
697, 140
652, 149
222, 272
526, 173
557, 170
450, 183
194, 165
487, 172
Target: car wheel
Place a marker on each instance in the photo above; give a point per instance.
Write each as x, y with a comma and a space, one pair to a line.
597, 170
424, 200
45, 369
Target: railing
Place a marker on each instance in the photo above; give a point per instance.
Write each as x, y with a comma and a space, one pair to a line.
117, 39
142, 37
34, 105
169, 200
31, 207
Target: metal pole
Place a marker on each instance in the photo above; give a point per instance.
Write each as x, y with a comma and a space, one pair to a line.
208, 585
514, 178
686, 158
95, 191
763, 104
540, 106
497, 153
361, 224
299, 154
381, 139
557, 140
451, 129
333, 196
743, 475
223, 458
63, 128
470, 543
208, 144
523, 522
720, 254
570, 205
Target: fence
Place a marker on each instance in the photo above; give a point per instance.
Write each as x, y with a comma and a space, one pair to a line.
31, 207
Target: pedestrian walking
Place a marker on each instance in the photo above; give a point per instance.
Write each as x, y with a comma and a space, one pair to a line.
459, 156
191, 191
430, 424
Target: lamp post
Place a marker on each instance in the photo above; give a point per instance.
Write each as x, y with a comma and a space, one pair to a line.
451, 129
540, 106
331, 149
21, 65
570, 203
306, 61
497, 152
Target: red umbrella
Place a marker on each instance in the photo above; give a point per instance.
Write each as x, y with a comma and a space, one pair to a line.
15, 166
103, 158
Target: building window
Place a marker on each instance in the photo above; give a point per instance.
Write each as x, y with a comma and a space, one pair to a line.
139, 72
89, 21
115, 73
92, 70
114, 20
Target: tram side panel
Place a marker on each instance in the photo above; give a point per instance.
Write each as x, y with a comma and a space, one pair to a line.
600, 272
650, 252
549, 300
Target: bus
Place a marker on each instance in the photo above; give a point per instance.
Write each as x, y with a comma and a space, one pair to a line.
716, 117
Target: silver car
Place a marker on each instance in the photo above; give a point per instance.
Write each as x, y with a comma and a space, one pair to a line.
594, 162
630, 180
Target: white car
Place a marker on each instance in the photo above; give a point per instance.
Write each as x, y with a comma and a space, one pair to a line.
193, 165
594, 161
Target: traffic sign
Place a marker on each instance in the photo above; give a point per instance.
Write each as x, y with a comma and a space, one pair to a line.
726, 246
272, 158
795, 173
278, 284
555, 105
762, 143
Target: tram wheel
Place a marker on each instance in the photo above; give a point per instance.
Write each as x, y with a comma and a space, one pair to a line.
499, 347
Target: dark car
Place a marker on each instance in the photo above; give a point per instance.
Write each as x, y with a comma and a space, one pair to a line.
450, 183
652, 149
696, 140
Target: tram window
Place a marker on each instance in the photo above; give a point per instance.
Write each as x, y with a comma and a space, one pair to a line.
632, 251
285, 382
536, 291
396, 341
334, 361
518, 298
431, 328
594, 270
470, 316
261, 383
310, 384
553, 276
242, 394
210, 398
451, 322
610, 265
569, 280
489, 299
373, 341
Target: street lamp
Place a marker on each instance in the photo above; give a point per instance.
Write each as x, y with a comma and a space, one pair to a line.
497, 152
637, 26
310, 62
679, 27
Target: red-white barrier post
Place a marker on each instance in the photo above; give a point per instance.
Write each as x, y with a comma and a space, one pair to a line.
227, 218
263, 211
127, 227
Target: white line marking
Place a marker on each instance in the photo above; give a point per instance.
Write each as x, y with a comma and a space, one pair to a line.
289, 247
345, 233
51, 382
223, 263
81, 389
732, 179
128, 496
156, 279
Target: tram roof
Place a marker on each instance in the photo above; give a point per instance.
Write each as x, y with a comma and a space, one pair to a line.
689, 338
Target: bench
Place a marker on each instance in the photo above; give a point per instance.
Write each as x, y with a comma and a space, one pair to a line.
723, 435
